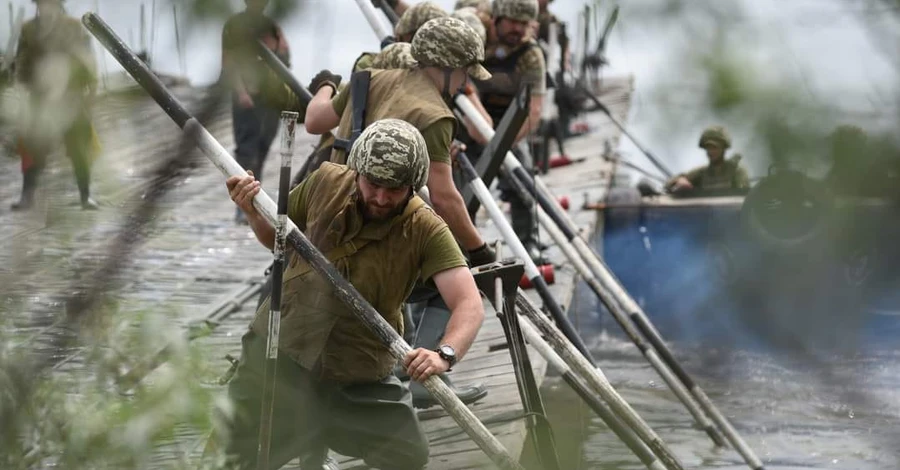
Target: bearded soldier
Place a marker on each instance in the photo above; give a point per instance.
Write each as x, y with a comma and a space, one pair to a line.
720, 174
334, 384
55, 63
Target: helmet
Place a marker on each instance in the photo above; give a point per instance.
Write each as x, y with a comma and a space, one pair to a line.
717, 135
469, 15
519, 10
450, 43
395, 56
391, 153
416, 16
483, 6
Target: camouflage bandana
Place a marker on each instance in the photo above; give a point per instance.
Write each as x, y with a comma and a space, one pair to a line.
391, 153
416, 16
450, 43
396, 56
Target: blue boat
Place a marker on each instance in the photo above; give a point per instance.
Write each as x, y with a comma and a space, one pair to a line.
785, 266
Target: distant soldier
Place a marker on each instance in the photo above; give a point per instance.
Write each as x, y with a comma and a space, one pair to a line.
545, 19
334, 384
55, 63
515, 61
720, 174
254, 122
850, 160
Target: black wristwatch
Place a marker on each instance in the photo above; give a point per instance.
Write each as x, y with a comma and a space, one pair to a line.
448, 354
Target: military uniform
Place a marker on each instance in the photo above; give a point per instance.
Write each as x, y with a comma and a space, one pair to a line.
55, 62
254, 127
722, 175
511, 69
334, 387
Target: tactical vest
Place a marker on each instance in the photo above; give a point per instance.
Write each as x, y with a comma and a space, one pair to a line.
719, 177
498, 92
408, 95
382, 260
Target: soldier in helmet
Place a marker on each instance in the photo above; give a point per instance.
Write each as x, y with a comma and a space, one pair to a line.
55, 63
515, 61
482, 6
721, 173
334, 383
447, 52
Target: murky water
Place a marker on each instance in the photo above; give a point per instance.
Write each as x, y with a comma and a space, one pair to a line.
835, 412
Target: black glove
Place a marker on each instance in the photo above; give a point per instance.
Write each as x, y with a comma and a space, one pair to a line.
387, 41
482, 256
322, 78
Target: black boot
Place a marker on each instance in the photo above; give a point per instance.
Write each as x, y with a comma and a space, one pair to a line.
29, 184
468, 395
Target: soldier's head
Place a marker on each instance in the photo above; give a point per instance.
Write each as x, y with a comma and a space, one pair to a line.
715, 140
450, 51
392, 161
414, 17
512, 19
49, 7
395, 56
483, 6
256, 6
471, 17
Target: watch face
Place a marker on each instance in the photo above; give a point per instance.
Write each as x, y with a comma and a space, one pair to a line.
448, 350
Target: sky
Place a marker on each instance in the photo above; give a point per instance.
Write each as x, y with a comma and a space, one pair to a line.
819, 44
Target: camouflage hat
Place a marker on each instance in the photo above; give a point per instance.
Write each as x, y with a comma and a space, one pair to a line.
416, 16
391, 153
519, 10
469, 15
450, 43
717, 135
396, 56
483, 6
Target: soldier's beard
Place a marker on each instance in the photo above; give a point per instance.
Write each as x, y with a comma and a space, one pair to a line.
374, 212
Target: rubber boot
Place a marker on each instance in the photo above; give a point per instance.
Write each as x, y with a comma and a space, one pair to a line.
29, 185
431, 319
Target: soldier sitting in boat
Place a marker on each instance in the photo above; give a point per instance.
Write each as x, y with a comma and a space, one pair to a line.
334, 383
721, 173
446, 51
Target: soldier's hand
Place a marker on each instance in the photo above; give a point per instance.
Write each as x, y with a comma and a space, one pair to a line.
423, 363
242, 189
681, 184
482, 256
323, 78
456, 147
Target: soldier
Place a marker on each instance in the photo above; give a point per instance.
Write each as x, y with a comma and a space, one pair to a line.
446, 51
411, 20
471, 17
55, 63
720, 174
850, 160
545, 19
482, 6
334, 383
254, 122
514, 61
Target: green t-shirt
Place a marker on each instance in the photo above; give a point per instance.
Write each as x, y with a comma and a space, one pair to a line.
441, 250
437, 136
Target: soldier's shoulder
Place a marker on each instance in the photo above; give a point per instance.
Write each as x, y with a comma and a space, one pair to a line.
532, 58
364, 61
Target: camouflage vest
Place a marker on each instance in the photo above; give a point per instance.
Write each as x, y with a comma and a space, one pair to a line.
382, 260
400, 94
498, 92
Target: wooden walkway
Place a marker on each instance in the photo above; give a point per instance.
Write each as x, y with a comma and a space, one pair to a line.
196, 258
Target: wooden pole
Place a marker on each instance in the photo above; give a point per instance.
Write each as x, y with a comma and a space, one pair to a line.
222, 160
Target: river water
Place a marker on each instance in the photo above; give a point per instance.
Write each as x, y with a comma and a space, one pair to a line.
794, 411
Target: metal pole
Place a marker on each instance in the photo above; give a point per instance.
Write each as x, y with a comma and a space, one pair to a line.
377, 25
389, 12
624, 433
288, 124
531, 271
181, 63
598, 382
345, 291
615, 309
143, 31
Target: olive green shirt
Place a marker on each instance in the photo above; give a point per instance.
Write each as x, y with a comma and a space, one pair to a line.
384, 261
438, 136
727, 175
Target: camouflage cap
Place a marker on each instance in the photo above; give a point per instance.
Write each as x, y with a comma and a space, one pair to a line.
450, 43
483, 6
417, 15
469, 16
519, 10
717, 135
396, 56
391, 153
